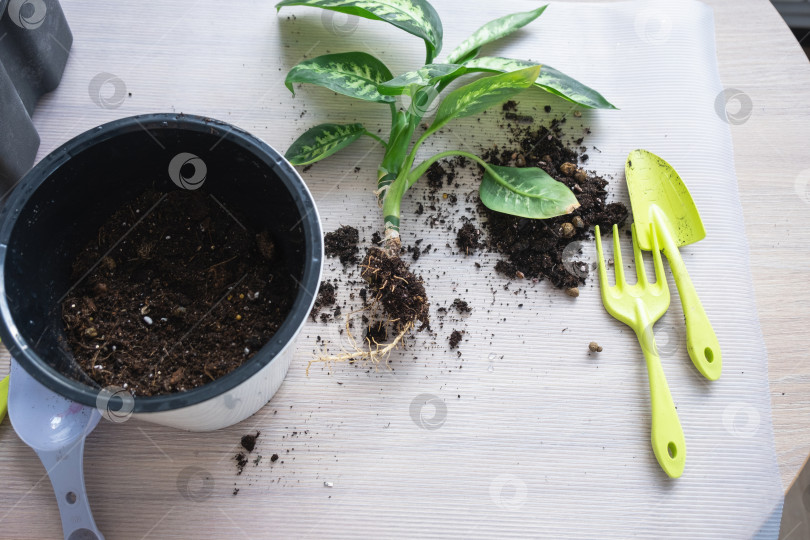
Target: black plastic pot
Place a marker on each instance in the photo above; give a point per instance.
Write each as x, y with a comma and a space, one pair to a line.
66, 197
34, 44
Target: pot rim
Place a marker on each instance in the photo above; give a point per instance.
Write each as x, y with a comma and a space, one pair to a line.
76, 391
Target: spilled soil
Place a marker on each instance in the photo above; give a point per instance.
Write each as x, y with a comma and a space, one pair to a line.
342, 244
248, 443
535, 248
455, 338
528, 249
326, 298
468, 238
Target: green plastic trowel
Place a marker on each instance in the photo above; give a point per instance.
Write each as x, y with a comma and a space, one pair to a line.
659, 196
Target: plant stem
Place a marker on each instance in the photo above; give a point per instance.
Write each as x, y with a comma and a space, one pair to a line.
412, 156
417, 173
391, 211
376, 138
403, 126
395, 154
396, 189
393, 175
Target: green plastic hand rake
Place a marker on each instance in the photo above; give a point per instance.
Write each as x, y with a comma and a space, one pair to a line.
639, 306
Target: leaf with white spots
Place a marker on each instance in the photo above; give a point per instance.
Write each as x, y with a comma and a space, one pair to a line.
525, 192
322, 141
416, 17
482, 94
492, 31
409, 83
549, 79
353, 74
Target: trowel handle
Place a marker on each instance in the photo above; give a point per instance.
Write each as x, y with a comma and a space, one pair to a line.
701, 341
66, 470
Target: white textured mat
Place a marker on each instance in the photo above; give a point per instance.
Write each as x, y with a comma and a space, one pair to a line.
543, 440
554, 442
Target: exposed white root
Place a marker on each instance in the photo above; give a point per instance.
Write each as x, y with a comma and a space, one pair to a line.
369, 351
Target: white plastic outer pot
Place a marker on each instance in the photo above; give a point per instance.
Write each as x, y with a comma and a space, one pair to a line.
65, 198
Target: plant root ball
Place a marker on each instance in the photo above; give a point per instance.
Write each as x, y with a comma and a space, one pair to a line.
400, 292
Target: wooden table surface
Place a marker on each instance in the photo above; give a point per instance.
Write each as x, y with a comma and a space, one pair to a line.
758, 55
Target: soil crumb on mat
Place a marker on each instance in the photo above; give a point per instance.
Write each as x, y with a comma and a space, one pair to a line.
462, 306
455, 338
342, 243
241, 460
467, 238
185, 295
326, 297
248, 442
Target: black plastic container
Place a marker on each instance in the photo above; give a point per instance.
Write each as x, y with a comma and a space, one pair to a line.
34, 44
65, 198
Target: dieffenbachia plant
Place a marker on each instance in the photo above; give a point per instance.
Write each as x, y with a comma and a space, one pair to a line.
527, 192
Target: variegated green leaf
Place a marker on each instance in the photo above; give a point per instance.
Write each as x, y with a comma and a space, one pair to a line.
492, 31
408, 83
354, 74
550, 80
526, 192
469, 56
482, 94
322, 141
416, 17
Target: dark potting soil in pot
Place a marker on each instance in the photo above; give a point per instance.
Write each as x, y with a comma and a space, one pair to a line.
174, 292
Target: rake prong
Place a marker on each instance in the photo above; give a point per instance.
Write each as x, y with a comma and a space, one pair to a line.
603, 282
640, 272
617, 258
660, 276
